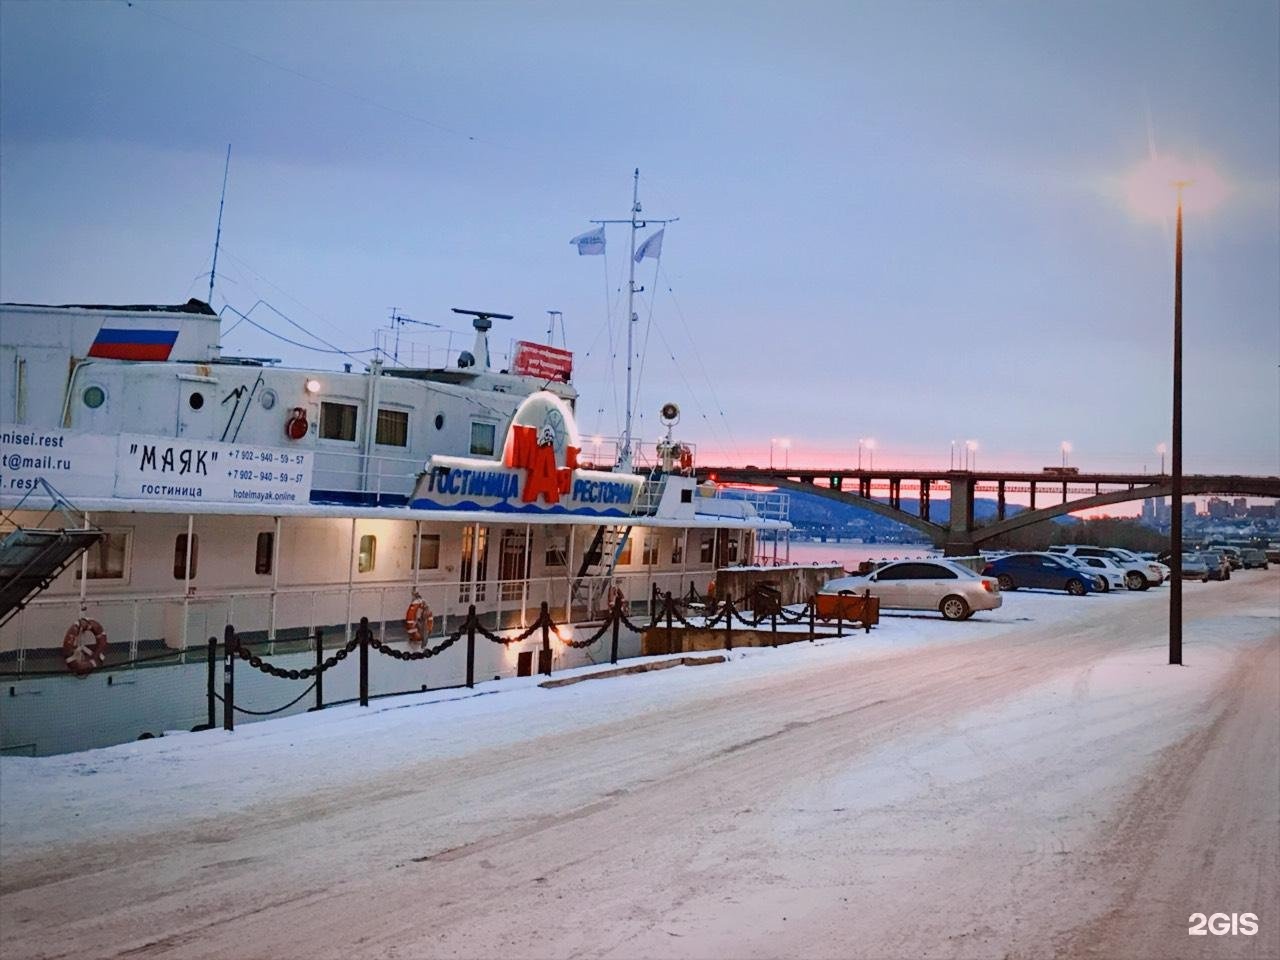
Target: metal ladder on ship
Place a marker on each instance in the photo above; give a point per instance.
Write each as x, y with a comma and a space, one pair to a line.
601, 558
31, 558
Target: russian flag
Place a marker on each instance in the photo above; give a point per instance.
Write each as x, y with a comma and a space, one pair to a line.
117, 344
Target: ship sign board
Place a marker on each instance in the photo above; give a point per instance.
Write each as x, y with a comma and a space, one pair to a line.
540, 360
537, 473
136, 467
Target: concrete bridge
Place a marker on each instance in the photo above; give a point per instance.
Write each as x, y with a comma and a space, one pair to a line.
959, 536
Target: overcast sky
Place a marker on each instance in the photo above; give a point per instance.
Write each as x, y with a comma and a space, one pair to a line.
901, 221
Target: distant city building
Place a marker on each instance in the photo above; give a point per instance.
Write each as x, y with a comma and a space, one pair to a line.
1219, 509
1189, 510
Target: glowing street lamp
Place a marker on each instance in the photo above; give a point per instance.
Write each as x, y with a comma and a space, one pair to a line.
1066, 449
772, 441
785, 443
971, 454
1161, 449
1147, 191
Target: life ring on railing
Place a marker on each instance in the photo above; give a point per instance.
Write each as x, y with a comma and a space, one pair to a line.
295, 427
84, 646
686, 458
418, 619
614, 596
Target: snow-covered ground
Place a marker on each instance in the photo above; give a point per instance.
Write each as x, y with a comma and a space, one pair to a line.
1007, 785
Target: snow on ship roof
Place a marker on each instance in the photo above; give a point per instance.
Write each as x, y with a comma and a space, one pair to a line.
191, 306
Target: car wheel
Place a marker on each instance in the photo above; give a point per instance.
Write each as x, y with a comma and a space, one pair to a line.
1106, 587
954, 608
1135, 581
1205, 578
1075, 587
1006, 582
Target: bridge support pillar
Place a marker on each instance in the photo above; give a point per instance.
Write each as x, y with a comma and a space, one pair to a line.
960, 524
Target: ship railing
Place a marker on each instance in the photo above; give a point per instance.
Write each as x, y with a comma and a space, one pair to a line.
376, 475
283, 620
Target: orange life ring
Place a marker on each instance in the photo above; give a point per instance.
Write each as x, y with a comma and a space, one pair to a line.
84, 646
418, 620
686, 458
295, 427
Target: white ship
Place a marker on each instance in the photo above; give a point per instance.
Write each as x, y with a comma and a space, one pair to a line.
199, 490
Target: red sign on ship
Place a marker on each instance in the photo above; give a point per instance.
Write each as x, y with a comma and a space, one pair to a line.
540, 360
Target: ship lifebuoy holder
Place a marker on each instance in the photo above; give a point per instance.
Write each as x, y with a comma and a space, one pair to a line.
84, 646
418, 620
295, 427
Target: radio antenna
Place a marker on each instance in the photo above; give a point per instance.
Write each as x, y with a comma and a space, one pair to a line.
217, 237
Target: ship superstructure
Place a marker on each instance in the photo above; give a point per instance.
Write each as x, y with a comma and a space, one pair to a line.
284, 500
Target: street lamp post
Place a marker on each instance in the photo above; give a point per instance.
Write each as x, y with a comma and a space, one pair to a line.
1066, 449
1162, 450
772, 441
871, 455
1175, 519
786, 453
971, 454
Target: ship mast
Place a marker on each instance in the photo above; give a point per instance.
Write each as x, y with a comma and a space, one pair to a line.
625, 455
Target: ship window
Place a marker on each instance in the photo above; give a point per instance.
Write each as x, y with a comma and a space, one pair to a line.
393, 428
482, 438
180, 556
707, 551
196, 400
677, 550
650, 554
263, 553
337, 421
429, 552
94, 397
439, 421
624, 558
731, 549
368, 555
106, 559
557, 550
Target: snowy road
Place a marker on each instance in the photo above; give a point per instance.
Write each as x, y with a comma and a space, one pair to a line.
1035, 785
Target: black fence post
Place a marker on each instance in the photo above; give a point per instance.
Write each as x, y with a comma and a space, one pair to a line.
319, 669
471, 646
617, 621
230, 644
545, 619
212, 690
813, 613
773, 622
670, 605
728, 624
839, 621
362, 634
866, 604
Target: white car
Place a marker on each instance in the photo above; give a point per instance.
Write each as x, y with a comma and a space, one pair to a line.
1139, 574
926, 584
1111, 573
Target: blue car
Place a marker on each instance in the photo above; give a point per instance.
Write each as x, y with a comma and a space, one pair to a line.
1042, 570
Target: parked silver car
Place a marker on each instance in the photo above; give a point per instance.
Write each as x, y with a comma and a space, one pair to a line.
953, 590
1194, 567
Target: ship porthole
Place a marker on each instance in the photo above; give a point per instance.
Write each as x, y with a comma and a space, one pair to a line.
196, 400
268, 399
439, 421
94, 397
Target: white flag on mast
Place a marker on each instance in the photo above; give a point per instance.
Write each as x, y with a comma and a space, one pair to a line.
651, 247
591, 243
